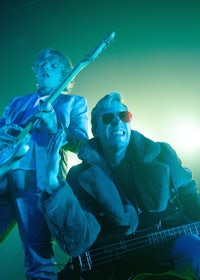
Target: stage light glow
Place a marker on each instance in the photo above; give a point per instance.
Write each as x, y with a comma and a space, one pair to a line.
186, 136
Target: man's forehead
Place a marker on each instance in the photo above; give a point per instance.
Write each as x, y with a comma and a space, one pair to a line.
114, 106
52, 61
50, 58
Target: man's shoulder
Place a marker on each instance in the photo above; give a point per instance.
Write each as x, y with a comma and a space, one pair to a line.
75, 170
72, 97
166, 148
23, 97
72, 100
73, 175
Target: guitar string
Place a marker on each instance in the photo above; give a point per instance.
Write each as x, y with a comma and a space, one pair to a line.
142, 243
126, 247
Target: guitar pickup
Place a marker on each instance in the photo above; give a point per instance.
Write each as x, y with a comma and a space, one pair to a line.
84, 262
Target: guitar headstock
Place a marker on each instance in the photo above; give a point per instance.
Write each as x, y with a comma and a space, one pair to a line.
100, 47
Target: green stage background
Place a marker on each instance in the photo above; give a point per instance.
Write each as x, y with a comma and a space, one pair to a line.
154, 61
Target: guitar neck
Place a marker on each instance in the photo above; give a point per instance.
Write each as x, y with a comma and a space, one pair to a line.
134, 243
50, 99
82, 64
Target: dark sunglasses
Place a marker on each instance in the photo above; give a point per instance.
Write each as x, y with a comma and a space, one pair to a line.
124, 116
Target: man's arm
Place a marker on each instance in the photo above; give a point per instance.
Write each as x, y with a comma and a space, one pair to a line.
73, 227
183, 182
77, 132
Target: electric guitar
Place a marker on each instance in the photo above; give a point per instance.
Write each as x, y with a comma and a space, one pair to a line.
9, 154
99, 257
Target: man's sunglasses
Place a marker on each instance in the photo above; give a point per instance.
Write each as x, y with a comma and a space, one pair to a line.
124, 116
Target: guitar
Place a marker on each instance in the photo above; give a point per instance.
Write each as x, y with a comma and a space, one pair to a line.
98, 257
9, 153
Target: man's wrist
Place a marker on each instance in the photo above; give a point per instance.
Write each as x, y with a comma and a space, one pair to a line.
54, 130
52, 188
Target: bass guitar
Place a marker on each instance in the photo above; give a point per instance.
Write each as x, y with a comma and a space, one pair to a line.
98, 257
9, 154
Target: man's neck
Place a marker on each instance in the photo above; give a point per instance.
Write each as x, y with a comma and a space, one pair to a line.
44, 91
114, 157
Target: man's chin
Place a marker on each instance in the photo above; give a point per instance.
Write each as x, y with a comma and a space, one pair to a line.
117, 138
45, 90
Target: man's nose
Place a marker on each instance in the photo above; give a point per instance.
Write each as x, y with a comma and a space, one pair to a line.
116, 119
46, 66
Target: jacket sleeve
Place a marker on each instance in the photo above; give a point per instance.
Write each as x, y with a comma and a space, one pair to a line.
183, 183
78, 127
74, 228
5, 114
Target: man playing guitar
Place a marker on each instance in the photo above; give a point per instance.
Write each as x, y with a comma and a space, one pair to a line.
130, 207
21, 186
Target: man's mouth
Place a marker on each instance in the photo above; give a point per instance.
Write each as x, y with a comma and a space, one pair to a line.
46, 75
118, 132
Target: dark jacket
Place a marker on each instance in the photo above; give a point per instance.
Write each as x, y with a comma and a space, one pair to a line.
80, 215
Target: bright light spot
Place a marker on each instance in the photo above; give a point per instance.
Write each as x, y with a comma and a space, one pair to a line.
72, 160
186, 136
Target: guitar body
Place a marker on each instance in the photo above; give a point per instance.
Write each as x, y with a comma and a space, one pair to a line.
10, 155
122, 269
105, 272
